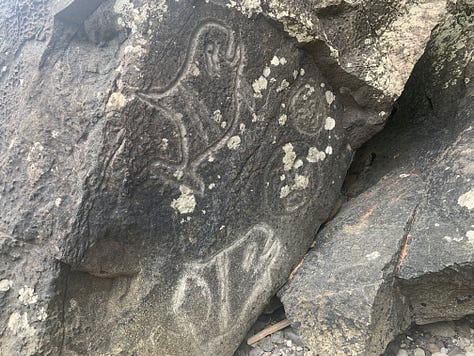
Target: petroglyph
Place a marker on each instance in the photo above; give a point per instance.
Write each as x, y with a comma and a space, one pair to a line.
307, 109
199, 125
291, 175
205, 301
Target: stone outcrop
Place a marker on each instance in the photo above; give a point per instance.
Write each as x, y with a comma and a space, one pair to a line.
401, 249
166, 164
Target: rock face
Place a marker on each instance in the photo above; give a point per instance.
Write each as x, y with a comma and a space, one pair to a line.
166, 164
401, 249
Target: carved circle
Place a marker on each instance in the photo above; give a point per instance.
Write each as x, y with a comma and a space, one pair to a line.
287, 191
308, 109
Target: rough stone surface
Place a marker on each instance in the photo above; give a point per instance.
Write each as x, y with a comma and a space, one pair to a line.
405, 232
166, 164
370, 47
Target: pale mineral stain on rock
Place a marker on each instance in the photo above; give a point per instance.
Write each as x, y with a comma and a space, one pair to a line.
186, 203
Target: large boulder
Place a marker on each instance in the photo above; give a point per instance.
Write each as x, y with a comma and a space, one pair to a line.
166, 164
401, 250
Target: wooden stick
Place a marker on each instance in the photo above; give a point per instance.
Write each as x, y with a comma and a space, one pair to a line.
267, 331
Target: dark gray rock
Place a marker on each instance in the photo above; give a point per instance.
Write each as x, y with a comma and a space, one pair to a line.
164, 167
400, 249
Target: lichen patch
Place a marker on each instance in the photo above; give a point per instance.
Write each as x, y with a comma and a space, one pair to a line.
330, 124
234, 142
186, 203
27, 296
259, 85
467, 199
5, 285
314, 155
330, 97
289, 157
282, 119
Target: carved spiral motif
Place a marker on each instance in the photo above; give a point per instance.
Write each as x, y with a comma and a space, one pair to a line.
308, 109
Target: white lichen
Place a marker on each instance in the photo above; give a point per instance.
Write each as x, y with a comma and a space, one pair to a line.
234, 142
27, 296
289, 157
301, 182
266, 72
329, 97
282, 119
217, 116
5, 285
314, 155
259, 85
283, 85
186, 203
285, 191
330, 124
467, 199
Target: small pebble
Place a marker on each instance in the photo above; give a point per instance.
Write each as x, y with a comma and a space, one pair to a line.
402, 353
439, 354
266, 344
289, 343
277, 337
293, 336
433, 348
257, 351
419, 352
